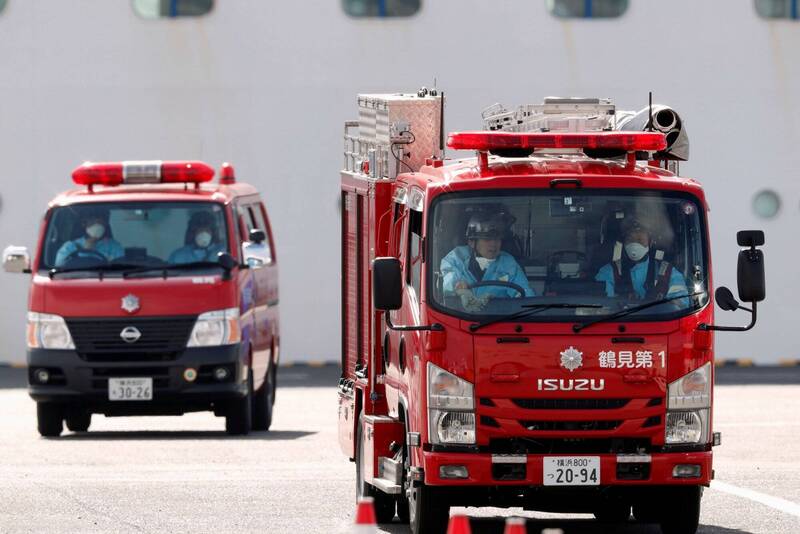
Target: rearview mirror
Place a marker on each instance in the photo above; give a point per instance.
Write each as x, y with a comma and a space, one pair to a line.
750, 268
257, 236
16, 259
725, 299
226, 260
387, 288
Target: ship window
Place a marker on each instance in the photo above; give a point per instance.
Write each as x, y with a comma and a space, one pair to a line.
778, 9
3, 4
587, 9
381, 8
156, 9
766, 204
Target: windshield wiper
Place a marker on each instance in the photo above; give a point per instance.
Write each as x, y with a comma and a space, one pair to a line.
172, 267
100, 269
528, 310
622, 313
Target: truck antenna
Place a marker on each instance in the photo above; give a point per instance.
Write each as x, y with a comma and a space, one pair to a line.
650, 111
441, 124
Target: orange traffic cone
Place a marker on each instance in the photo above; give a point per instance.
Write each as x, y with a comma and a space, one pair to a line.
515, 525
365, 516
459, 524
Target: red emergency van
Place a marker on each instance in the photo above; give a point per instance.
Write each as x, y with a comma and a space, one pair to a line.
531, 326
154, 292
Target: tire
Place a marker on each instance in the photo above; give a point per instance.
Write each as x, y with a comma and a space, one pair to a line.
424, 509
263, 401
78, 421
239, 416
646, 513
686, 503
384, 504
49, 419
613, 512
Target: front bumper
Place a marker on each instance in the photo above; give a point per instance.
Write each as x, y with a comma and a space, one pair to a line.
78, 382
615, 470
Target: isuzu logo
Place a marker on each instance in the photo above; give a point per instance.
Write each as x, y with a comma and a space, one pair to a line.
130, 303
571, 359
571, 384
130, 334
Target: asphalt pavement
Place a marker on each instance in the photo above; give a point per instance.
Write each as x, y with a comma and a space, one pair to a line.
184, 474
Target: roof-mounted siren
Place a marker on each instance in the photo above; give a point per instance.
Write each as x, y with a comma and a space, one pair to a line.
665, 120
227, 175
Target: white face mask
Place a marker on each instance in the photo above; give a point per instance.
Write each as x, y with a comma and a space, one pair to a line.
483, 263
96, 231
636, 251
202, 239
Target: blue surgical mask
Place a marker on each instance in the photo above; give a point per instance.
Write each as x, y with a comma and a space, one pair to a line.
202, 239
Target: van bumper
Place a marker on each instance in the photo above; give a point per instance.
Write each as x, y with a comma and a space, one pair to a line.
77, 382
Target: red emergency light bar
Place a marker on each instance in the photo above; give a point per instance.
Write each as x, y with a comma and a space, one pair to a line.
142, 172
492, 141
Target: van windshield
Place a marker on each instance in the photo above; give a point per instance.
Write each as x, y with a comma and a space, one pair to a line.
544, 255
98, 236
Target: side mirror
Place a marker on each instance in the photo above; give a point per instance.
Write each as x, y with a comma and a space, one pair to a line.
226, 260
257, 236
750, 268
725, 299
16, 259
387, 284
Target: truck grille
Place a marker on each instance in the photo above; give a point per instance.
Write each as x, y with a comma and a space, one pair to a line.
99, 339
571, 426
571, 404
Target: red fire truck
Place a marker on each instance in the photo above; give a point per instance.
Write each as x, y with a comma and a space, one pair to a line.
531, 326
153, 292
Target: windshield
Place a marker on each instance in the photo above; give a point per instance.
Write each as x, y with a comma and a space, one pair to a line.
570, 255
101, 236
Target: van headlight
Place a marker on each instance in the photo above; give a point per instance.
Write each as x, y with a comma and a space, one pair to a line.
688, 403
219, 327
451, 405
46, 331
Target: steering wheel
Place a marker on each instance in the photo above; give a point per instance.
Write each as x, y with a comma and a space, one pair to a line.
86, 253
501, 283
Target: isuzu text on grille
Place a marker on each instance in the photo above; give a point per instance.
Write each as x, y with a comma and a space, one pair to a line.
571, 384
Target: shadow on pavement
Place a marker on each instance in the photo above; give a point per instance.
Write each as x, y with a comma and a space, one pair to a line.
568, 526
156, 435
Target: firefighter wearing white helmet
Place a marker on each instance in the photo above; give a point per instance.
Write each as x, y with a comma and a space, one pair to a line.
481, 266
639, 273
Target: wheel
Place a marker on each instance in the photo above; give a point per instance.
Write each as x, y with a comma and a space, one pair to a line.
613, 512
78, 421
239, 416
424, 509
384, 504
50, 419
263, 401
686, 502
646, 513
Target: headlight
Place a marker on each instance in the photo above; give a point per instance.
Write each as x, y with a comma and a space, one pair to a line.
220, 327
692, 390
686, 427
450, 408
46, 331
446, 390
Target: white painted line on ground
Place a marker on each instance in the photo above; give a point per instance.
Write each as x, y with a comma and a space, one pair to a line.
782, 505
770, 423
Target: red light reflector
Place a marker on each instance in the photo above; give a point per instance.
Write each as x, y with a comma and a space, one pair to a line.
185, 171
226, 174
627, 141
98, 174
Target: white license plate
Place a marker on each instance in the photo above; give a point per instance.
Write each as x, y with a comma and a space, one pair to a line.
130, 389
572, 471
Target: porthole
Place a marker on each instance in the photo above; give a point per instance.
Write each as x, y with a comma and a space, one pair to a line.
766, 204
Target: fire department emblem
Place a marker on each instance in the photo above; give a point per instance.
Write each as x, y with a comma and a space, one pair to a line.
130, 303
571, 359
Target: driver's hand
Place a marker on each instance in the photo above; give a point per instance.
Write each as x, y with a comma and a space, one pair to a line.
470, 302
461, 284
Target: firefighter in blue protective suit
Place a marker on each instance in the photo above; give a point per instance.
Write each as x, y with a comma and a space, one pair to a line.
202, 241
640, 272
96, 242
482, 260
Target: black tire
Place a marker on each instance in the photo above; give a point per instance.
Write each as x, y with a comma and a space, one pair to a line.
263, 401
613, 512
384, 503
239, 415
78, 421
49, 419
646, 512
426, 511
685, 501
